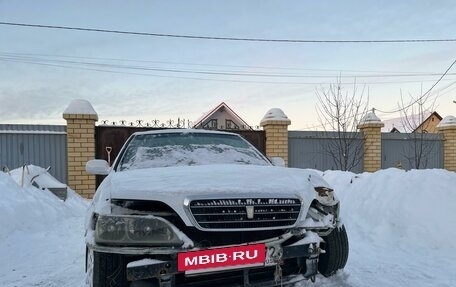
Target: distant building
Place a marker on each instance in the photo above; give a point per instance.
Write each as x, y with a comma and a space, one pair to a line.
394, 130
221, 117
429, 125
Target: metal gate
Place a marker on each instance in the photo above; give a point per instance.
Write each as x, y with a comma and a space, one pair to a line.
309, 149
403, 149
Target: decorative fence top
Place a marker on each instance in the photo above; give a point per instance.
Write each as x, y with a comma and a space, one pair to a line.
179, 123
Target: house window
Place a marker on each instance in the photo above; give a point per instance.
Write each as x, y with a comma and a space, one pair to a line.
212, 124
230, 125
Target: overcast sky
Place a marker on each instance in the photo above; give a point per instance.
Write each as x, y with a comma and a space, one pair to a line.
42, 70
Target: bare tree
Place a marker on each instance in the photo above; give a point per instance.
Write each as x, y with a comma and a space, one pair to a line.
339, 111
413, 117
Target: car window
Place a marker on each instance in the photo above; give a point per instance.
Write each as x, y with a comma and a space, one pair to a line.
180, 149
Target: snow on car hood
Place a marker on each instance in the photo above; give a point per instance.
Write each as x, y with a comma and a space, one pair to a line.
172, 185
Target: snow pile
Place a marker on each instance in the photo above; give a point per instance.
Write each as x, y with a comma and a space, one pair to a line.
370, 117
275, 114
448, 121
400, 227
80, 107
35, 174
31, 209
414, 207
41, 236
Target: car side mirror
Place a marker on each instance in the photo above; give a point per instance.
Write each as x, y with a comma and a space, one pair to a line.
98, 167
277, 161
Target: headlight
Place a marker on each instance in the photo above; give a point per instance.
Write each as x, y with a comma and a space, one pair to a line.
135, 230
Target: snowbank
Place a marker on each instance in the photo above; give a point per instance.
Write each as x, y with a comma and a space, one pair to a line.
31, 209
406, 207
41, 236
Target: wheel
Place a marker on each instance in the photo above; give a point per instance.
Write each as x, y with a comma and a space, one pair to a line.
105, 270
336, 247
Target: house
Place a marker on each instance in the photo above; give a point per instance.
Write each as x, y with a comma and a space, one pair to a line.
394, 130
221, 117
429, 125
397, 125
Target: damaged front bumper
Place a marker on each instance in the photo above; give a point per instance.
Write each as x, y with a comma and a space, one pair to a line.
161, 264
146, 269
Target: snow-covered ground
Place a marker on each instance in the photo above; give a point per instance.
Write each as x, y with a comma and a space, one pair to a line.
41, 237
401, 226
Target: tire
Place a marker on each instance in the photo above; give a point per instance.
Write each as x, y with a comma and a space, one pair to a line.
337, 249
105, 270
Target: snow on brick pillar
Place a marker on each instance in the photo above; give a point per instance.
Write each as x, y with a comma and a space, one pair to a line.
81, 118
371, 126
275, 124
448, 128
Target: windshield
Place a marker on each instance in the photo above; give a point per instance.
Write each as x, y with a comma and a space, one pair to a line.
183, 149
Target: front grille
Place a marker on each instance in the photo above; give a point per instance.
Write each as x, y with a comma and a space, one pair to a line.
245, 213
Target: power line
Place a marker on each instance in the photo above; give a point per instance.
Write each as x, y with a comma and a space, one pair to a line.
155, 75
425, 94
57, 63
211, 64
414, 102
220, 72
361, 114
198, 37
447, 92
437, 93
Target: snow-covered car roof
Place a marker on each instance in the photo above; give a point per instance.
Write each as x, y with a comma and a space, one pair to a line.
168, 131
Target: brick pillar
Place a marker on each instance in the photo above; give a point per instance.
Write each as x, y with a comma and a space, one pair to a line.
371, 127
275, 124
81, 118
448, 128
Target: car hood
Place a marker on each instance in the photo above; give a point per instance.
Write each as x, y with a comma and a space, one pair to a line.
173, 185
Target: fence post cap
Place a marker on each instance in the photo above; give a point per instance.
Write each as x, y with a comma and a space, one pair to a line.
275, 115
370, 120
447, 122
80, 107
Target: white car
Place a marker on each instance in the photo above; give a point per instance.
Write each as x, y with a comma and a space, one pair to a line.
205, 208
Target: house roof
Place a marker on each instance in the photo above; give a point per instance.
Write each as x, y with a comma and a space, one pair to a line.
397, 124
432, 114
222, 105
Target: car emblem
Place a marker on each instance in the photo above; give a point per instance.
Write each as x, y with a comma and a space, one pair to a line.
250, 211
